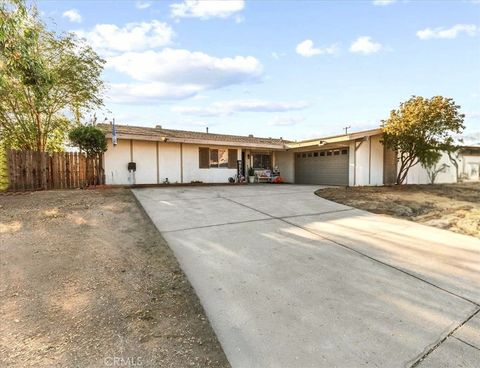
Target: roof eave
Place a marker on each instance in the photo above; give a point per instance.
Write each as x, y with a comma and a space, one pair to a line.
211, 142
334, 140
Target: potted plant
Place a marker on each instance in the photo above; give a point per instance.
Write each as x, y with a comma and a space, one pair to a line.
251, 175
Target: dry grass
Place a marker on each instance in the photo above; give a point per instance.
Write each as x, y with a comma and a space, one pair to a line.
454, 207
85, 278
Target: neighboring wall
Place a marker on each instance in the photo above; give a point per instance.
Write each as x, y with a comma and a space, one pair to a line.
419, 175
285, 161
150, 170
470, 167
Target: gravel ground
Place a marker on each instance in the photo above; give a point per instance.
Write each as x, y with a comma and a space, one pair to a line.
87, 281
454, 207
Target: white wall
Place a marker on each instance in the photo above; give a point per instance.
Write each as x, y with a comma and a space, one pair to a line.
467, 167
144, 153
116, 161
376, 176
419, 175
169, 162
368, 162
285, 161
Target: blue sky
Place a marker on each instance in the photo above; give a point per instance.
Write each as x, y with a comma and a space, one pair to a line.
277, 68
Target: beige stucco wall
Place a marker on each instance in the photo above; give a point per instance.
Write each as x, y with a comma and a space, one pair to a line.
116, 159
169, 162
285, 160
192, 172
144, 154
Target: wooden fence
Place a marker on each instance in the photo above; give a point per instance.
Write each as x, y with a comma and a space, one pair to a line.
30, 170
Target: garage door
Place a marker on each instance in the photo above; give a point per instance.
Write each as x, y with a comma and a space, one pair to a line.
329, 167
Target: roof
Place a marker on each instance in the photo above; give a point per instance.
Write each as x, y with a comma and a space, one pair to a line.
470, 150
342, 138
186, 136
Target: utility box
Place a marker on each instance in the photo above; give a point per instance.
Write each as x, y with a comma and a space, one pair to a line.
132, 166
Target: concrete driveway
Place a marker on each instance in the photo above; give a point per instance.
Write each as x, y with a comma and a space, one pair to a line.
289, 279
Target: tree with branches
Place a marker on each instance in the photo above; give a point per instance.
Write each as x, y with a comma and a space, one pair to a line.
47, 80
420, 129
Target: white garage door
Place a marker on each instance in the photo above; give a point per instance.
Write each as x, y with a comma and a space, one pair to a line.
328, 167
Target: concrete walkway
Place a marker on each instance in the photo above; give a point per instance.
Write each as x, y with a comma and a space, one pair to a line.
289, 279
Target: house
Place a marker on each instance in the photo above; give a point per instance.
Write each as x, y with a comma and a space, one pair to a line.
177, 156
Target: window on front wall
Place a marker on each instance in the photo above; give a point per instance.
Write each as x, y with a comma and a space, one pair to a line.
217, 158
261, 161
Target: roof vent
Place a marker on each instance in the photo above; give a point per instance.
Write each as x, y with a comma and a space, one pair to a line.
158, 127
250, 135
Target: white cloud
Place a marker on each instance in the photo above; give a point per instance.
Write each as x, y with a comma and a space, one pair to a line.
365, 45
286, 120
73, 16
305, 48
143, 4
448, 33
186, 67
225, 108
108, 38
206, 9
150, 92
176, 74
383, 2
473, 115
472, 139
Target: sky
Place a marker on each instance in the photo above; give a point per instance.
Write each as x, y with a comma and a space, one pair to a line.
291, 69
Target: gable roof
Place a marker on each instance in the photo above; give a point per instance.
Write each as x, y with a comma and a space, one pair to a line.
186, 136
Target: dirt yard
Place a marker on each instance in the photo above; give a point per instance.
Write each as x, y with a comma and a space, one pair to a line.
87, 281
454, 207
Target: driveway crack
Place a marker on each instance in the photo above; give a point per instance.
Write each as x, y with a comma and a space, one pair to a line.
434, 347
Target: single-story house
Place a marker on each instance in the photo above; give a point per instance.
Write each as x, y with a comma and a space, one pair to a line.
178, 156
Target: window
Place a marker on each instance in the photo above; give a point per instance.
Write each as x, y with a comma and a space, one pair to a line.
217, 157
329, 153
336, 153
304, 155
222, 158
322, 153
310, 154
315, 154
213, 158
261, 161
344, 151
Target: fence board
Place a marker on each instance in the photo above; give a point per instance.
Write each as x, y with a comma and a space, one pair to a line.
31, 170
